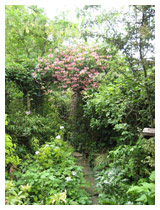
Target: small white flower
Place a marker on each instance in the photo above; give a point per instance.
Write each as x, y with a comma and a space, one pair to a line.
129, 203
36, 152
74, 173
110, 173
61, 127
28, 113
106, 182
68, 179
58, 137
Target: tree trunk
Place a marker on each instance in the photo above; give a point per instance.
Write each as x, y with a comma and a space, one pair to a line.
28, 103
75, 105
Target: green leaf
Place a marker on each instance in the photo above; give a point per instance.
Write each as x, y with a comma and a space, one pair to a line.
152, 176
142, 198
51, 178
151, 200
135, 189
146, 186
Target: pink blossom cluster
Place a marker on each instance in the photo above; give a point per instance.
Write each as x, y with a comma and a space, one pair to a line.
74, 67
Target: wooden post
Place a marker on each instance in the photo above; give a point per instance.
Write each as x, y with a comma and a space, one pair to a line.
148, 132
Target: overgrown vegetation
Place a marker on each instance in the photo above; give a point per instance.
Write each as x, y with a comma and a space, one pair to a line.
50, 176
86, 87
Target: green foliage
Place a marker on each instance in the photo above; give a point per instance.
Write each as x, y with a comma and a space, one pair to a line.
34, 144
134, 159
20, 85
53, 176
59, 198
148, 148
24, 127
124, 166
60, 101
112, 187
9, 151
145, 191
30, 34
119, 107
52, 153
130, 30
104, 121
13, 98
15, 196
26, 32
10, 157
101, 159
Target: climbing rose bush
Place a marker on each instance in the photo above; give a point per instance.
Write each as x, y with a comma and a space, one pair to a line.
74, 67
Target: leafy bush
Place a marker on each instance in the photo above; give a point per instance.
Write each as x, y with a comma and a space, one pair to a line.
14, 195
145, 191
126, 165
137, 161
53, 176
148, 148
9, 151
20, 85
13, 98
23, 127
112, 186
119, 109
10, 157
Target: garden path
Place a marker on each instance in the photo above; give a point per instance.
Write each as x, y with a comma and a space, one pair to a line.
89, 177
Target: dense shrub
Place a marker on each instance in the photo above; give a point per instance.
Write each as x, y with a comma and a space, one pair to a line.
118, 110
10, 156
18, 80
24, 126
145, 191
112, 187
125, 166
98, 97
50, 177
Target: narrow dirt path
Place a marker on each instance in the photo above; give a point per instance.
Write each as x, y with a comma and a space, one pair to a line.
89, 177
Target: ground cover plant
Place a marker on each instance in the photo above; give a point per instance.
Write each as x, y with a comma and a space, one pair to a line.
125, 166
48, 177
87, 88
